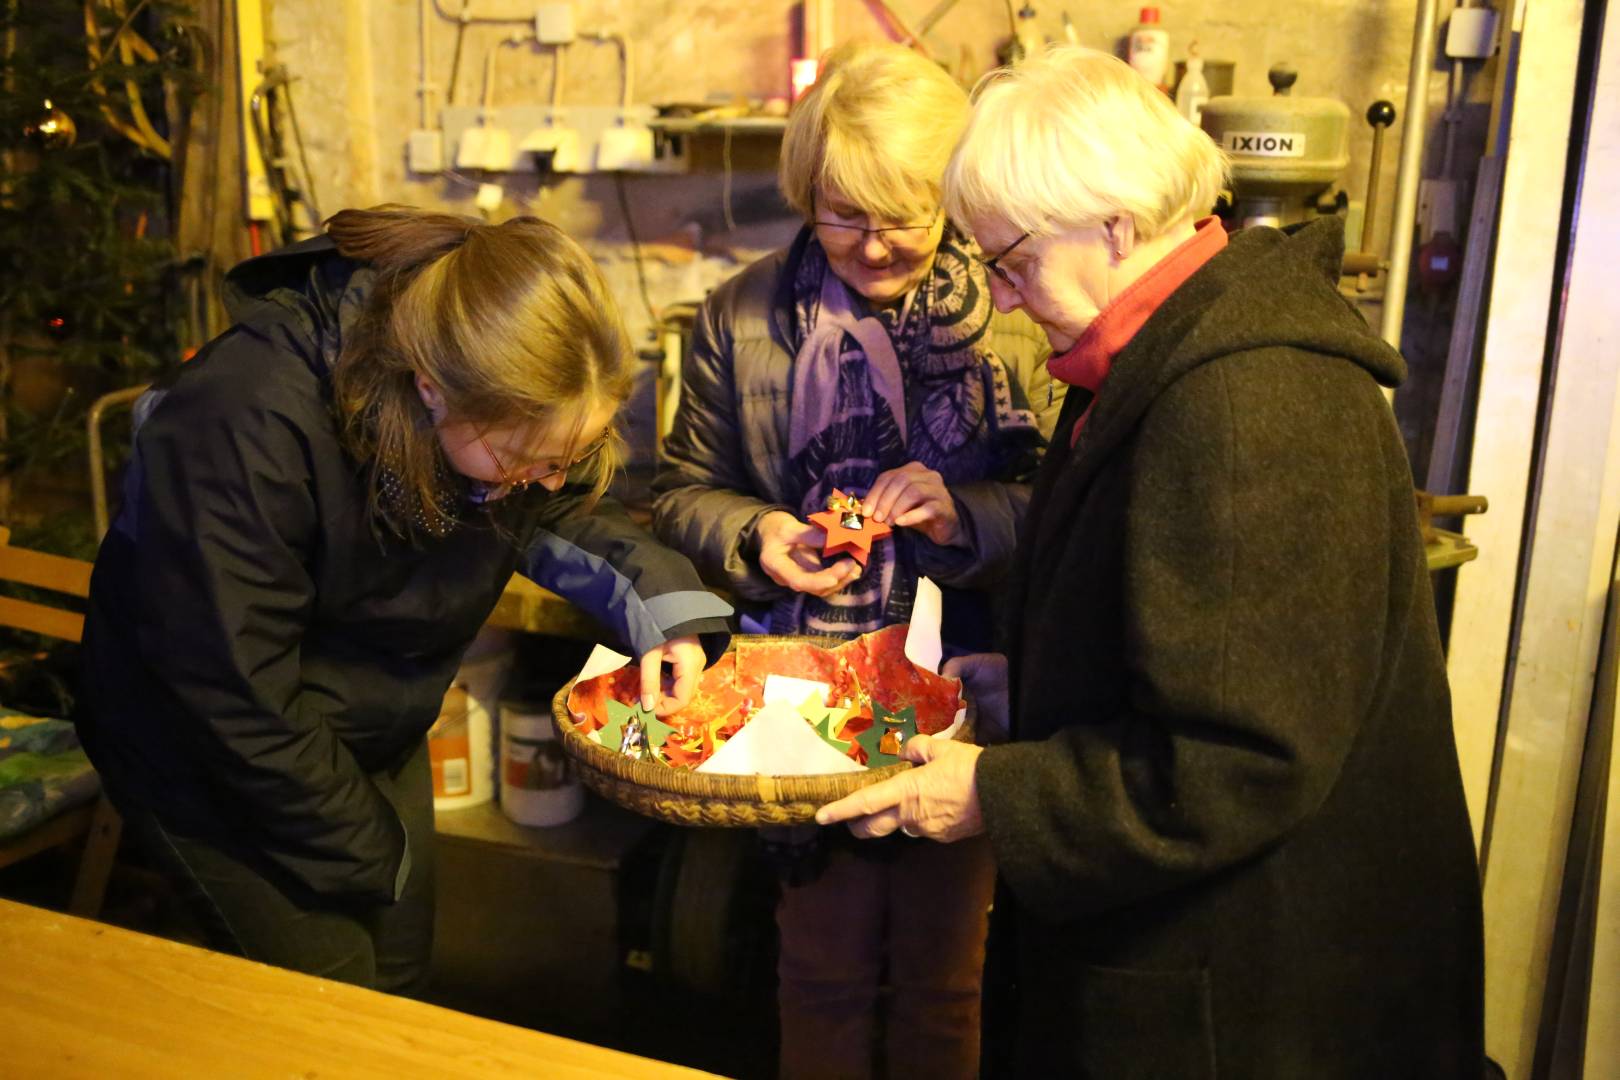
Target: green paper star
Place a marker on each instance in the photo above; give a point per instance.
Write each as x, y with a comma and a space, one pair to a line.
829, 727
826, 719
619, 714
902, 722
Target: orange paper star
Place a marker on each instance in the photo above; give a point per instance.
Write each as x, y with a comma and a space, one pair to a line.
843, 539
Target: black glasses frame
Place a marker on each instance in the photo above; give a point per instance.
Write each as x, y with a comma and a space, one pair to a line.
993, 264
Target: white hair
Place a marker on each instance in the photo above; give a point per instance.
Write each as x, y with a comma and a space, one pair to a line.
1073, 138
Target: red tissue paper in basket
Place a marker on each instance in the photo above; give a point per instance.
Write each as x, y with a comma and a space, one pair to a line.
871, 669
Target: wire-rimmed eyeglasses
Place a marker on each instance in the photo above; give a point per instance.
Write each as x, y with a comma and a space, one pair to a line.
903, 237
515, 484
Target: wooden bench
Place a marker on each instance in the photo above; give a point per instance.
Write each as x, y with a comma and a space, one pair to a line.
97, 823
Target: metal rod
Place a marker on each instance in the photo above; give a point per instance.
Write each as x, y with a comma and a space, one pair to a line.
1411, 172
939, 11
98, 470
1369, 213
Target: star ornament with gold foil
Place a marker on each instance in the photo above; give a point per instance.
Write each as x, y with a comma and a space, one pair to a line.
849, 531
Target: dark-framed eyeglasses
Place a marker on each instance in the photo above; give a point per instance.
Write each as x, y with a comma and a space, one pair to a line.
993, 264
515, 485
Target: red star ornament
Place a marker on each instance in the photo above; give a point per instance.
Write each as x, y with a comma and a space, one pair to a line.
843, 540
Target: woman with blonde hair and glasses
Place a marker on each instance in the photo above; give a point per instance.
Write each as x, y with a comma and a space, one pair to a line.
1229, 823
866, 357
322, 509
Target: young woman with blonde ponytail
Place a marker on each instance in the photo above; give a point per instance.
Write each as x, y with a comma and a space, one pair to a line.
322, 509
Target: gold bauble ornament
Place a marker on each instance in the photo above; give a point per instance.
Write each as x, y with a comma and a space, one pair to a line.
52, 130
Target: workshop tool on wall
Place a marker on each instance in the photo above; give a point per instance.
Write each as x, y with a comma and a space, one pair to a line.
276, 137
1368, 260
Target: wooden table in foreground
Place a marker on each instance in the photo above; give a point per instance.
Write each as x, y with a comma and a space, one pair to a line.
83, 999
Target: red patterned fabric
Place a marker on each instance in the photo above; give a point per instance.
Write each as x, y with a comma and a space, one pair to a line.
873, 667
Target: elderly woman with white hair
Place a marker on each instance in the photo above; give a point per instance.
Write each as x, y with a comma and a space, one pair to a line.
866, 357
1228, 824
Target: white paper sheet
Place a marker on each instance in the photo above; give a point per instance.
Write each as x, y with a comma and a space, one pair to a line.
601, 661
923, 646
795, 692
777, 741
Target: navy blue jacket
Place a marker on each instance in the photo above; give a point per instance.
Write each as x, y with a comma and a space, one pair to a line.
254, 652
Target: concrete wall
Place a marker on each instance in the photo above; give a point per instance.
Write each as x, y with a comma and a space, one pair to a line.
359, 64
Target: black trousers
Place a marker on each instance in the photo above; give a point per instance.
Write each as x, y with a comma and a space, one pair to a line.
249, 909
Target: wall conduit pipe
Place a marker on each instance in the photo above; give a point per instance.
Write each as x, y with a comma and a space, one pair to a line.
1410, 174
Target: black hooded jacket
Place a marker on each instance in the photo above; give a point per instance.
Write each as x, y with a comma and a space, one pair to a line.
1231, 825
254, 653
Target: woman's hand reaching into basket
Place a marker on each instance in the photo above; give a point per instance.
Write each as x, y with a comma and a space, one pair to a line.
665, 694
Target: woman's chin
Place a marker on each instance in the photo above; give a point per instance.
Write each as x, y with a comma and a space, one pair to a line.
1060, 340
877, 286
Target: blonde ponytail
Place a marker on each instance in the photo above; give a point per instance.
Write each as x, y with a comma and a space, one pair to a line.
397, 239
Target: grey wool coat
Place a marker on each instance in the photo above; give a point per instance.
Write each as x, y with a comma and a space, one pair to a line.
724, 464
1230, 825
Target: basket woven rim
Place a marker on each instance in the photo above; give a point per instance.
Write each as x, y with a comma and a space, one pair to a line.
758, 788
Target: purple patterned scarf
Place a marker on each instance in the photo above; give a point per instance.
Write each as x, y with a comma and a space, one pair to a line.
873, 390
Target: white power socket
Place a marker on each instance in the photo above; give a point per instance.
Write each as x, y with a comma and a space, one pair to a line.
424, 151
486, 148
556, 146
579, 139
489, 197
1437, 208
554, 24
626, 147
1471, 33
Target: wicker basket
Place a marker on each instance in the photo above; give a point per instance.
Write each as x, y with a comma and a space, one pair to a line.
684, 797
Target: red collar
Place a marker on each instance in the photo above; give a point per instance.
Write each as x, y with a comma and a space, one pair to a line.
1087, 362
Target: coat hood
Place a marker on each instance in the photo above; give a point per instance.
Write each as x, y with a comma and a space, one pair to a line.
1273, 288
305, 295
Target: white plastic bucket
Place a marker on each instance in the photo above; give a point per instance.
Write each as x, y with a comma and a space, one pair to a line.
537, 783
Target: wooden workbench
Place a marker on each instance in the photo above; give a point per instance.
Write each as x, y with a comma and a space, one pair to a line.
526, 606
82, 999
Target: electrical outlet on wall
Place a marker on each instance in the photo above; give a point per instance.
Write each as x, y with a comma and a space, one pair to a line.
486, 148
554, 24
424, 151
579, 139
626, 147
1437, 208
470, 147
556, 148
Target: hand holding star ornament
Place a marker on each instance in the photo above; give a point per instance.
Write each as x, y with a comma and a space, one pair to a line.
849, 531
